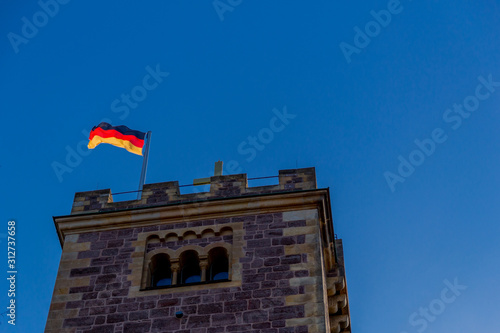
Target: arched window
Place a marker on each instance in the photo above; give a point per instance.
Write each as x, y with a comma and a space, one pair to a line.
190, 267
160, 272
218, 264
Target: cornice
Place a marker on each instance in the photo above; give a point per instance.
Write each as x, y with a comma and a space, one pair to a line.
191, 211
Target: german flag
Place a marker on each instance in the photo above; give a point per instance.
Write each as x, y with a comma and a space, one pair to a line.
120, 136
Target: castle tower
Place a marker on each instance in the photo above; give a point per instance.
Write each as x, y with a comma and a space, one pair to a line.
235, 259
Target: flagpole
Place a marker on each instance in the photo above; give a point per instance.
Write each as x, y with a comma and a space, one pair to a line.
144, 166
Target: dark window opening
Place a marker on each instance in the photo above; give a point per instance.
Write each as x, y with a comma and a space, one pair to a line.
190, 267
218, 264
161, 273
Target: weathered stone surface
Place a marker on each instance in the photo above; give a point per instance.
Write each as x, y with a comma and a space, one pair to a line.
276, 266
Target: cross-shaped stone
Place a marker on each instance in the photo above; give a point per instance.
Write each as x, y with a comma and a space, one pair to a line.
206, 181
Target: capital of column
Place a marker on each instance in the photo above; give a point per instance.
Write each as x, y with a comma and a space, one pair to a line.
174, 266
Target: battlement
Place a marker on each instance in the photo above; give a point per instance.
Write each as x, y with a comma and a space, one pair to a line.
222, 186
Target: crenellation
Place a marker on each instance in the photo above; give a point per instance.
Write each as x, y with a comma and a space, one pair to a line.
169, 193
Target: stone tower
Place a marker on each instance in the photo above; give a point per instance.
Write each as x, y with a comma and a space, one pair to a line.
235, 259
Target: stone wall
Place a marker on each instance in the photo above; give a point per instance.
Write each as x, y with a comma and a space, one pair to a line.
277, 280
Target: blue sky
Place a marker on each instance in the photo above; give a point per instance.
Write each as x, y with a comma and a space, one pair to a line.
355, 115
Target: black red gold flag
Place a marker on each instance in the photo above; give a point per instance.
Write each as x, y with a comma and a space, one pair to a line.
119, 136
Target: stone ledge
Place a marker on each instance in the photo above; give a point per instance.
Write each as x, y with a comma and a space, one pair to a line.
187, 212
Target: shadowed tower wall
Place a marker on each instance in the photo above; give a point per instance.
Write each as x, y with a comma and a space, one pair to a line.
235, 259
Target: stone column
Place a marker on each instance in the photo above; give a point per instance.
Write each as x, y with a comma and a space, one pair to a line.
203, 267
175, 269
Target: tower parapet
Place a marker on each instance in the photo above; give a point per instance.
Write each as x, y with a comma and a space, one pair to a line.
169, 193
